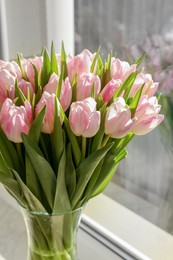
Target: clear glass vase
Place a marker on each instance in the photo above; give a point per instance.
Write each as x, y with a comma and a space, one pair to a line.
52, 237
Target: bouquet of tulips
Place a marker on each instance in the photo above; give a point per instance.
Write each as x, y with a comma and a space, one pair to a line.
65, 122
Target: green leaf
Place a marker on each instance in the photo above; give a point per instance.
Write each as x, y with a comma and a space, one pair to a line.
43, 169
92, 92
130, 85
99, 67
116, 149
36, 127
70, 173
3, 166
108, 170
54, 64
63, 61
61, 203
105, 77
75, 147
97, 139
19, 58
140, 60
127, 84
46, 69
74, 85
13, 188
95, 60
85, 171
135, 101
109, 61
92, 183
32, 181
45, 147
36, 77
59, 87
57, 141
33, 203
19, 94
104, 180
9, 152
38, 95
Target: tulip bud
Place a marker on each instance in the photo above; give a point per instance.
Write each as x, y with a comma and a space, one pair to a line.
7, 82
85, 83
47, 100
83, 118
12, 67
79, 64
110, 88
147, 114
150, 87
118, 122
15, 120
28, 67
66, 90
121, 69
26, 87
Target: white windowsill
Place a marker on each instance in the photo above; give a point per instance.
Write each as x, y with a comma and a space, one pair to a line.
138, 235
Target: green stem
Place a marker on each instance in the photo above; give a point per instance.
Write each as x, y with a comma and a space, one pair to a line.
105, 140
83, 146
19, 152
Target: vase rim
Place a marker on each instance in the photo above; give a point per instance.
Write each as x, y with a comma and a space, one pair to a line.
45, 213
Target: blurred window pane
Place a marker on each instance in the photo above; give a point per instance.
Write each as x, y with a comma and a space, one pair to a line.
144, 181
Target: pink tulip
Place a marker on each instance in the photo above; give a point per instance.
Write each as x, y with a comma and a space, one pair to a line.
47, 100
79, 64
7, 82
83, 118
15, 120
121, 69
147, 115
28, 67
110, 88
66, 94
66, 90
12, 67
118, 122
85, 83
26, 87
150, 87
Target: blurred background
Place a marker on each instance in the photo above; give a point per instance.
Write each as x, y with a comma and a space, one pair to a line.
144, 180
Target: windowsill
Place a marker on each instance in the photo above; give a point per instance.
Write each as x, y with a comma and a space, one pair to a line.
131, 232
137, 235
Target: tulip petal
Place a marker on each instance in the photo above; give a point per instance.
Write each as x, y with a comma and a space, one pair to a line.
93, 126
145, 126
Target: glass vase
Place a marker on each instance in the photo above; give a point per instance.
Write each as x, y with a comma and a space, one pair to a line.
52, 237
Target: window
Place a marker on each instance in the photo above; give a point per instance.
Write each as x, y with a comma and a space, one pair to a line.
143, 182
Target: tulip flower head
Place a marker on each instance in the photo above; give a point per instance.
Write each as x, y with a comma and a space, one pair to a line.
66, 90
150, 87
85, 83
147, 115
47, 100
110, 88
79, 64
15, 120
84, 119
121, 69
118, 122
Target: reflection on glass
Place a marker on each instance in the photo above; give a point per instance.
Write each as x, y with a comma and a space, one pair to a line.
144, 182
